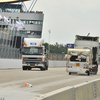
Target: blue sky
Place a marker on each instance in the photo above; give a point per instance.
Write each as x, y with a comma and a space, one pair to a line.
67, 18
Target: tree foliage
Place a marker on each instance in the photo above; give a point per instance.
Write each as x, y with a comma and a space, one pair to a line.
56, 48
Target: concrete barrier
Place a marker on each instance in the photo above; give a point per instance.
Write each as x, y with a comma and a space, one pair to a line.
57, 63
60, 94
17, 63
10, 63
85, 91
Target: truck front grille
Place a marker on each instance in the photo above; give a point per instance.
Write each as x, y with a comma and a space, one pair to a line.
32, 59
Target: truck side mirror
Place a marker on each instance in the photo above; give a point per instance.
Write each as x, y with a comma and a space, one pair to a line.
45, 51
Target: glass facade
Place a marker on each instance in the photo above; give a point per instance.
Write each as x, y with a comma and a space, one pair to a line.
32, 22
6, 7
30, 32
10, 10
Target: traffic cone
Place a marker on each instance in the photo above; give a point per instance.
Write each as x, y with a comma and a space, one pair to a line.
26, 84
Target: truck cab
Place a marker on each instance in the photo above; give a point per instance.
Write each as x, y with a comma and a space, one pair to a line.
34, 55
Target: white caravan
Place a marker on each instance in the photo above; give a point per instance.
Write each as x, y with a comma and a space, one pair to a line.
79, 61
89, 42
34, 55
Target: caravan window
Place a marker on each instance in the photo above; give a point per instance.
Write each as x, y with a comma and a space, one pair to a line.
78, 58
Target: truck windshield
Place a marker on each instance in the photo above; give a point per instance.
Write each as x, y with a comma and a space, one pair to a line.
32, 50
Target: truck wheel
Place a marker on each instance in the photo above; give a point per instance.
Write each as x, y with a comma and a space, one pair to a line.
42, 69
46, 67
96, 70
29, 68
88, 73
24, 68
69, 73
95, 73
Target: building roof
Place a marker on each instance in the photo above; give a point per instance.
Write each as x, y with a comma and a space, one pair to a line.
12, 1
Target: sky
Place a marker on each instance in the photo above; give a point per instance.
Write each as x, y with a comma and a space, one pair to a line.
67, 18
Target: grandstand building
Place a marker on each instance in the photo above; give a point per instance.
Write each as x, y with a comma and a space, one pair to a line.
33, 21
11, 40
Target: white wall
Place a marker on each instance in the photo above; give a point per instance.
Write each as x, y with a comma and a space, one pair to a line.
10, 63
17, 63
57, 63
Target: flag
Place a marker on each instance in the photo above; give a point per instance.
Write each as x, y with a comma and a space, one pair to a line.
0, 17
19, 25
49, 31
21, 22
9, 21
12, 25
6, 20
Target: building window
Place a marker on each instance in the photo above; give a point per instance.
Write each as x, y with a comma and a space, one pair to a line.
32, 22
29, 22
35, 33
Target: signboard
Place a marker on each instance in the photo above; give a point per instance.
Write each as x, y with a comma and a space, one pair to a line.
33, 43
70, 45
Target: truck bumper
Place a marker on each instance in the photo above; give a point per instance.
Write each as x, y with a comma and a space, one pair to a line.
35, 64
76, 70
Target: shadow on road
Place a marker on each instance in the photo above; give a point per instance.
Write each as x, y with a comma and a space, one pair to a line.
80, 74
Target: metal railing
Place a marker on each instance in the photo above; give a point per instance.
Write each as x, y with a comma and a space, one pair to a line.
8, 48
10, 53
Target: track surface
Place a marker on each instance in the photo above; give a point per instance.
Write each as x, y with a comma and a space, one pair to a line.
12, 82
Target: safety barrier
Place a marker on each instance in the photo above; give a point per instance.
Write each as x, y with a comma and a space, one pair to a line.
85, 91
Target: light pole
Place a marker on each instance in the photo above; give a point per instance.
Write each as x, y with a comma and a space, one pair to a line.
16, 34
8, 38
49, 43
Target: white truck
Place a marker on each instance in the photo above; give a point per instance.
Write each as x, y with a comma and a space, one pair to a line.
34, 55
82, 45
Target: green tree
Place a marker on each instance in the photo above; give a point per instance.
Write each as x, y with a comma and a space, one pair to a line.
56, 48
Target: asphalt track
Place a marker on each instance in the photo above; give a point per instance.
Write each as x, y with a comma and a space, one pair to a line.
12, 82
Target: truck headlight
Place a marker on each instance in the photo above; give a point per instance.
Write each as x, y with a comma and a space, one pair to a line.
41, 59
